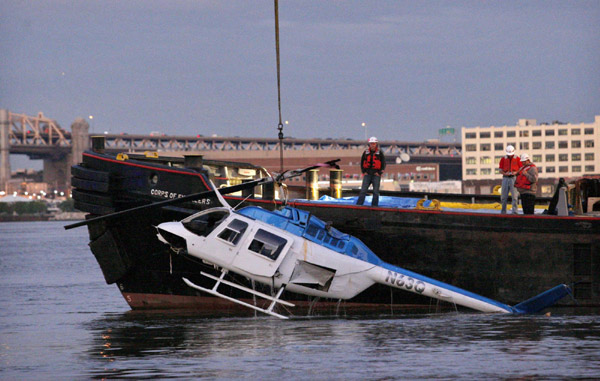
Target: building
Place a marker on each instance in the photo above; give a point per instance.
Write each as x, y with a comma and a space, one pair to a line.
559, 150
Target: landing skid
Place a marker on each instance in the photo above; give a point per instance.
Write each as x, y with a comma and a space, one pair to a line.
269, 311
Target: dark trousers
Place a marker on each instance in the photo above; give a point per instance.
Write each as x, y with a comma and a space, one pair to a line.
368, 180
528, 203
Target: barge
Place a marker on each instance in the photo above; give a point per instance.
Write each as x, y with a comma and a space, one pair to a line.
503, 257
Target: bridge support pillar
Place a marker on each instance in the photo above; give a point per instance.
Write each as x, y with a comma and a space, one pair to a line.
4, 150
80, 141
57, 174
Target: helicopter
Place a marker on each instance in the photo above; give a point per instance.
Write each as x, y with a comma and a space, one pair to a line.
290, 249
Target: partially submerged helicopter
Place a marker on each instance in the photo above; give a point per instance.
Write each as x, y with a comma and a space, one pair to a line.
292, 250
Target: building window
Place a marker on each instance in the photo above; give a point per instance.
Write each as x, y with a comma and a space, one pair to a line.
471, 160
485, 160
576, 157
588, 131
563, 157
497, 159
549, 133
550, 158
498, 147
576, 168
575, 143
524, 145
510, 134
537, 145
589, 168
497, 171
537, 158
576, 131
470, 147
484, 135
547, 189
589, 144
550, 169
563, 169
471, 171
589, 156
563, 132
549, 145
512, 144
536, 133
486, 171
540, 169
524, 134
498, 134
563, 144
470, 135
485, 147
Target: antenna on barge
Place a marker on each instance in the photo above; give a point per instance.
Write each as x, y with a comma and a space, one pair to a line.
280, 125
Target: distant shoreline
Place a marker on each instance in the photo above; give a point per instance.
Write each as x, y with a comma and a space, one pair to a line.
65, 216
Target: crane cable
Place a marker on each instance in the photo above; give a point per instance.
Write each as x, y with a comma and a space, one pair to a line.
280, 125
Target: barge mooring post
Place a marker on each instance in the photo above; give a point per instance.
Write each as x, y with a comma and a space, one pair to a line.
312, 184
98, 144
335, 183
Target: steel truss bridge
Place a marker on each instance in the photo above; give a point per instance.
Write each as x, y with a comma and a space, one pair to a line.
38, 134
186, 143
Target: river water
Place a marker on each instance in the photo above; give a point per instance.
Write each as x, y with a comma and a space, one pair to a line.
60, 320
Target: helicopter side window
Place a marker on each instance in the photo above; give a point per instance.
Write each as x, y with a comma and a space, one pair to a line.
267, 244
233, 232
203, 225
311, 230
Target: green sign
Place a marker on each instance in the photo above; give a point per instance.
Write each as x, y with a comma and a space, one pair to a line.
446, 131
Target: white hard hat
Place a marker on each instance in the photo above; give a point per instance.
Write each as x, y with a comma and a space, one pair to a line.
373, 139
510, 150
524, 157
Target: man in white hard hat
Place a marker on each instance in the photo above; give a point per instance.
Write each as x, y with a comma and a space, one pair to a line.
509, 165
372, 165
526, 183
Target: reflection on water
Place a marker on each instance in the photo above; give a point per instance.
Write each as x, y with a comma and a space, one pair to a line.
60, 320
408, 346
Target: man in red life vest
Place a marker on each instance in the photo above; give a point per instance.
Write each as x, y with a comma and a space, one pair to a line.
526, 183
372, 165
509, 165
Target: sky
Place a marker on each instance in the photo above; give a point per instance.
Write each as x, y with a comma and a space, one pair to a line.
403, 68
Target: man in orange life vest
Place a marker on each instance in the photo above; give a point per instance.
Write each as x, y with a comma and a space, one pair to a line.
526, 183
509, 165
372, 165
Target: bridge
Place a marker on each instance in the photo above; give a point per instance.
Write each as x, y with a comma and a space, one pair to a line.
43, 138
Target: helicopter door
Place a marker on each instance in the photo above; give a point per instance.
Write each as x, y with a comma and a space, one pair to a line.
221, 244
263, 252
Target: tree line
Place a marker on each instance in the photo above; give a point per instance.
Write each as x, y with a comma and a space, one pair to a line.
33, 207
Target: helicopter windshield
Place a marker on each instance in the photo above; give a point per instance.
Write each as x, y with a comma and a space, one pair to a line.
205, 223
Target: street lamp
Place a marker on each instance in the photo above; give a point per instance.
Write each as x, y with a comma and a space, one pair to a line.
91, 117
365, 126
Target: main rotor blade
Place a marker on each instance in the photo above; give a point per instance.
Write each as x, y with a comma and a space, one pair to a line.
195, 196
190, 197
